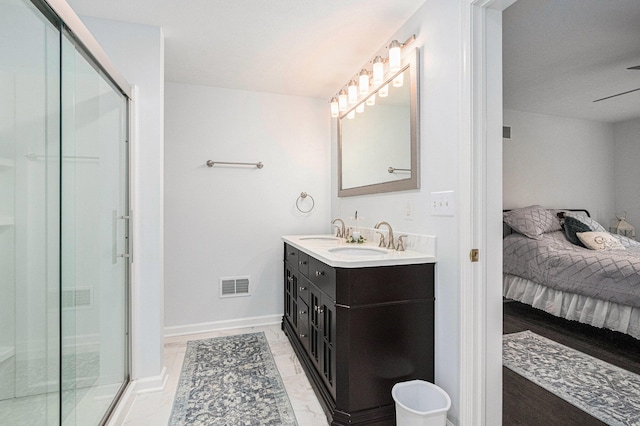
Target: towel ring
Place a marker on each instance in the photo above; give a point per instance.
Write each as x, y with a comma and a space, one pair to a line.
302, 196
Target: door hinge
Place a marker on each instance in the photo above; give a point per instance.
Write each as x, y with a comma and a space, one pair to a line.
474, 255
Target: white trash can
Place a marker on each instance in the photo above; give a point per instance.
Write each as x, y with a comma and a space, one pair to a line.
420, 403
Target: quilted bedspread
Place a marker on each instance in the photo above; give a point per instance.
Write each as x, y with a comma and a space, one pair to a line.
612, 275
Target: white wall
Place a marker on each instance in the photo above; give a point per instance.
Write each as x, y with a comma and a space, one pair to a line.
559, 162
138, 52
437, 28
627, 170
227, 221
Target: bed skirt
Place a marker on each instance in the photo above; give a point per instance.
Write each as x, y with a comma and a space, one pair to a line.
587, 310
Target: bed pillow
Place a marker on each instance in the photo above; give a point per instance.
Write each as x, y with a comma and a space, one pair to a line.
591, 223
532, 221
599, 241
572, 226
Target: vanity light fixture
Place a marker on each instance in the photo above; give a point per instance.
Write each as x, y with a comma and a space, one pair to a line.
352, 92
363, 82
395, 53
335, 108
365, 78
378, 70
342, 100
360, 108
384, 91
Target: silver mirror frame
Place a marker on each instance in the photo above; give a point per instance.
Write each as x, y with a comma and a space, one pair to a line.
410, 61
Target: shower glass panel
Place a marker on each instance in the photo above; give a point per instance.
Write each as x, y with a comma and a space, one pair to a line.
64, 226
94, 224
29, 216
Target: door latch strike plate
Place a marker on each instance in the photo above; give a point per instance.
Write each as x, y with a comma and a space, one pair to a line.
474, 255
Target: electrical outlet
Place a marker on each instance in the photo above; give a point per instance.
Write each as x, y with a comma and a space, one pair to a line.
442, 203
408, 210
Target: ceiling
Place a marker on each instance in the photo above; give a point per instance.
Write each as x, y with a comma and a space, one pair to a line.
293, 47
561, 55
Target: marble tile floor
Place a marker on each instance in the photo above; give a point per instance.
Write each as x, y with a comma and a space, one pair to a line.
153, 409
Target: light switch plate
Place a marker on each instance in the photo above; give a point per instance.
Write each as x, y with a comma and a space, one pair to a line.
443, 203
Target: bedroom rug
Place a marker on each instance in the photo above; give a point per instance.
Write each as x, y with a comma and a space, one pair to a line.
231, 380
605, 391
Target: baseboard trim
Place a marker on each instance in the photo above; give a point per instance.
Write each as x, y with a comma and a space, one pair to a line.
205, 327
135, 388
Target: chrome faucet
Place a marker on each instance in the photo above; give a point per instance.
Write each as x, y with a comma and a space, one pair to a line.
340, 233
390, 244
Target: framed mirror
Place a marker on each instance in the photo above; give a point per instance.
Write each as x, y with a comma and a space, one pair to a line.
378, 147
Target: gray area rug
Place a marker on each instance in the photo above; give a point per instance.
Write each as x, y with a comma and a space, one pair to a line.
605, 391
231, 380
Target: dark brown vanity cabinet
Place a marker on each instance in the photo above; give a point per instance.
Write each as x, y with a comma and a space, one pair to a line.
358, 331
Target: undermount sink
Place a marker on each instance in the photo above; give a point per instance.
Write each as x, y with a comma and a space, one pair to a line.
358, 251
320, 238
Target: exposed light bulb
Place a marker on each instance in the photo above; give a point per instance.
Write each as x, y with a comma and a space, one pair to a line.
363, 82
395, 58
360, 108
351, 114
352, 92
335, 108
378, 70
371, 100
384, 91
399, 80
342, 100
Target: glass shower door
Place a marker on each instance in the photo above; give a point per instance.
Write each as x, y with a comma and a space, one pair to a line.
29, 215
94, 229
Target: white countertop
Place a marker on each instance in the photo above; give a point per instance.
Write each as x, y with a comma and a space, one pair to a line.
319, 246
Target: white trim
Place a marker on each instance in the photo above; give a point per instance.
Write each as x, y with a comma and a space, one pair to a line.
480, 386
206, 327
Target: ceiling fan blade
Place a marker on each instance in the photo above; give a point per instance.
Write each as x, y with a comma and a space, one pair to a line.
618, 94
637, 67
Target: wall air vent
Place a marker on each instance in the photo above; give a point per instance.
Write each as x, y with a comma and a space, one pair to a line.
234, 286
506, 132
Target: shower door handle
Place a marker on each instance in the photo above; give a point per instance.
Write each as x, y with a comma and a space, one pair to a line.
115, 254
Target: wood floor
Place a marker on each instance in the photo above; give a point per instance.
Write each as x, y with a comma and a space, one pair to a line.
525, 403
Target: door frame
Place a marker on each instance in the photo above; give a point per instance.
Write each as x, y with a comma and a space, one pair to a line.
480, 219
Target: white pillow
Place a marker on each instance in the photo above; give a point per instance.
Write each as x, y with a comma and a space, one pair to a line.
599, 241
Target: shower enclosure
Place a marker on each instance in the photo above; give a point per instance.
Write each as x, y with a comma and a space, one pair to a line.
64, 210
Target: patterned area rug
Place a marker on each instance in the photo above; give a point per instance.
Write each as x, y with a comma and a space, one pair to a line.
231, 380
605, 391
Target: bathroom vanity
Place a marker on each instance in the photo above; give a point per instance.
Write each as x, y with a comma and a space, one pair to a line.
360, 320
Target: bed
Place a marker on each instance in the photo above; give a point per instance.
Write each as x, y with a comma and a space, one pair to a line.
546, 264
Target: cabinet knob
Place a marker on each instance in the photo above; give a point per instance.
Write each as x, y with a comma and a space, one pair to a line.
302, 288
290, 279
303, 312
319, 309
292, 254
302, 262
319, 273
302, 335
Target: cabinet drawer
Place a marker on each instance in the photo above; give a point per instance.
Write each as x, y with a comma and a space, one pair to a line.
303, 323
303, 263
303, 290
323, 276
291, 255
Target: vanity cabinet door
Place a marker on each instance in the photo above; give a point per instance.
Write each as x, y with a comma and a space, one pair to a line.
315, 327
291, 286
328, 314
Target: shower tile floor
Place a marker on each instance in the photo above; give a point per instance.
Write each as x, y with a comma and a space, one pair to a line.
155, 408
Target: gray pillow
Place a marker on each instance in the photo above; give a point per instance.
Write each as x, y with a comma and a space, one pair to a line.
591, 223
532, 221
571, 227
